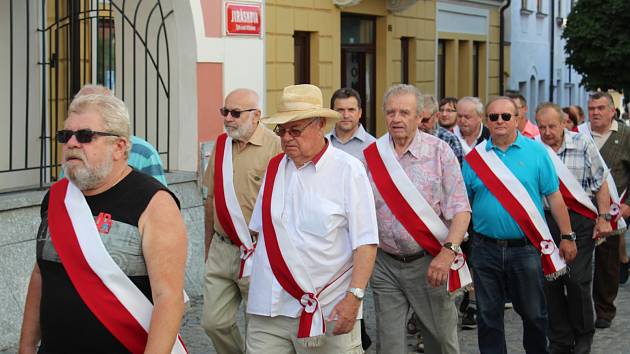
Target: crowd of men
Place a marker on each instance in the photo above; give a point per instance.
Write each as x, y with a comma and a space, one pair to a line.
305, 208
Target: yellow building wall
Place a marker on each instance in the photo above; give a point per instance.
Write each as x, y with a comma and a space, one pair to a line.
458, 66
283, 17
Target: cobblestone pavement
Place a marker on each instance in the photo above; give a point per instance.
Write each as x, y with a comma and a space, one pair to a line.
613, 340
610, 341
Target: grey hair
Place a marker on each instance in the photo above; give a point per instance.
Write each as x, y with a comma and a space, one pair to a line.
602, 94
554, 107
502, 98
111, 109
404, 89
475, 101
92, 89
430, 104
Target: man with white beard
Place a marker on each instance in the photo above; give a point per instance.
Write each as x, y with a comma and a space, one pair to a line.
233, 177
111, 247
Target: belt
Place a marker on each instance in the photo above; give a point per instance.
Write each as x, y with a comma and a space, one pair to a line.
504, 243
227, 240
407, 258
223, 238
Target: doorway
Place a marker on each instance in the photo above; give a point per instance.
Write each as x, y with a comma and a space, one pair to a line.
358, 63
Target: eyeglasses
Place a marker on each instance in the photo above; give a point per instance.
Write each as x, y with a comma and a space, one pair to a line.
234, 112
84, 136
293, 131
495, 116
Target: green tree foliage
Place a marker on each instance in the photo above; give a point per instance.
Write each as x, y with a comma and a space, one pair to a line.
598, 43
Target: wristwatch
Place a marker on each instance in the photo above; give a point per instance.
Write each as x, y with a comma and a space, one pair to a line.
357, 292
453, 247
606, 216
570, 236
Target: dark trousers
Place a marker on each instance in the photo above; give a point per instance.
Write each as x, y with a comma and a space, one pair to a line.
569, 299
606, 278
517, 271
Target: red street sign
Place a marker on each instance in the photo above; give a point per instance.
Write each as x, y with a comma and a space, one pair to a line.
243, 19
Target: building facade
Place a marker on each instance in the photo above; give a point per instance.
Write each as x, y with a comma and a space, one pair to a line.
442, 47
538, 68
171, 61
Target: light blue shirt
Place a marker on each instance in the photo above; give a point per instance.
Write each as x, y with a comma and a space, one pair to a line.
355, 146
144, 158
530, 164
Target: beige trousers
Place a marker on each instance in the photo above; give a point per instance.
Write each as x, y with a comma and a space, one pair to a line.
222, 296
278, 335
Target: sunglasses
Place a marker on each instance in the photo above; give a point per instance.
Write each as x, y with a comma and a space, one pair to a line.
293, 131
234, 112
84, 136
493, 117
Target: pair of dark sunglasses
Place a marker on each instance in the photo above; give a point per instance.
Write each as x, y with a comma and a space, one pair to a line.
495, 116
233, 112
84, 136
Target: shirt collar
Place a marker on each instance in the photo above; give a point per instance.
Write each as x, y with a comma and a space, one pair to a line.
318, 159
414, 148
257, 136
359, 134
567, 142
517, 143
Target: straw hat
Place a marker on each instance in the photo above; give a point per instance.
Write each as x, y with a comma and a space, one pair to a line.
300, 102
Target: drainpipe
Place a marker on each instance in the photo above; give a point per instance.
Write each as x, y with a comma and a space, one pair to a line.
501, 46
552, 24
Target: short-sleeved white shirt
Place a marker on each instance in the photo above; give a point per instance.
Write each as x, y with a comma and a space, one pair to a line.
329, 212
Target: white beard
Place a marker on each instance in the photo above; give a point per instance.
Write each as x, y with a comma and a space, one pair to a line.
87, 177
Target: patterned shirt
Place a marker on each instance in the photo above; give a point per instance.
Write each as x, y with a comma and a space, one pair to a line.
433, 169
580, 155
452, 141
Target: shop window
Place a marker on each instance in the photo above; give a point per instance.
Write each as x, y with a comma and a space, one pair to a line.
302, 57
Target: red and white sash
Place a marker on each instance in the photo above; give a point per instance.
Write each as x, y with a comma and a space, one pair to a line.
572, 192
226, 205
411, 209
518, 203
284, 258
617, 222
111, 296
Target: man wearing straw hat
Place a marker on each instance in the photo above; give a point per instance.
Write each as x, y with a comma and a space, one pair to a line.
317, 237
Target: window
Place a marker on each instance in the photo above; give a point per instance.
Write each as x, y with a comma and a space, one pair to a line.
539, 6
441, 66
404, 59
106, 62
302, 57
523, 4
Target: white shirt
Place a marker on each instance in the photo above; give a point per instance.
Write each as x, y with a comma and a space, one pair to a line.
600, 139
329, 211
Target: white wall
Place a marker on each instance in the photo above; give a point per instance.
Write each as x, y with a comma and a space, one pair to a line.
242, 57
529, 35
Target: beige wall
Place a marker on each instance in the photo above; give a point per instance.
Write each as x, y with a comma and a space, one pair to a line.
323, 19
283, 17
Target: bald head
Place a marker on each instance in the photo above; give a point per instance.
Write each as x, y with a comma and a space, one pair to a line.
246, 102
244, 96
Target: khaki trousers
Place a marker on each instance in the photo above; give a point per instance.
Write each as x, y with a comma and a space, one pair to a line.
278, 335
222, 296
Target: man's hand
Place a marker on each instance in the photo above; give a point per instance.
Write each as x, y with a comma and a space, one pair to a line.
568, 250
439, 267
602, 229
625, 210
346, 312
